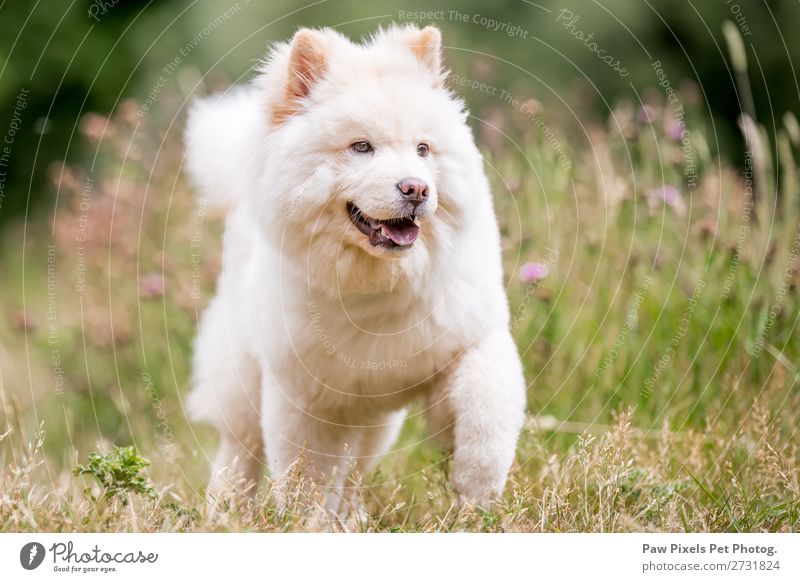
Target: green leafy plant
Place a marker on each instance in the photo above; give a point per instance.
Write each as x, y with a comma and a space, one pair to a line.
119, 472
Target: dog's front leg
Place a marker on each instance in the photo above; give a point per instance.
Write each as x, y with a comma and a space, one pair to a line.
295, 431
487, 392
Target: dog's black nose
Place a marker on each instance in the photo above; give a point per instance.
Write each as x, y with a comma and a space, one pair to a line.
414, 190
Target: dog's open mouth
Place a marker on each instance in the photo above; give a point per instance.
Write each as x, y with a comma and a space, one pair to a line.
390, 234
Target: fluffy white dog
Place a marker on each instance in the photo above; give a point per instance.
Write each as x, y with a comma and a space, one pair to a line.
361, 267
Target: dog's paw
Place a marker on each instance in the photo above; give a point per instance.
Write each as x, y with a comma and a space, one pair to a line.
479, 490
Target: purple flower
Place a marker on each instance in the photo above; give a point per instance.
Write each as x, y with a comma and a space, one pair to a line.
647, 114
152, 286
531, 272
669, 195
674, 129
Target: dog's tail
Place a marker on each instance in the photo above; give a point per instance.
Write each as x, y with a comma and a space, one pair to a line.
222, 144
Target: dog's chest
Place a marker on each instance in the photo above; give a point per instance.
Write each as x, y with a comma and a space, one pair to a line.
365, 357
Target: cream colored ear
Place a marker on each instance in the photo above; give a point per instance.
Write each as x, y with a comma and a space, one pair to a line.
427, 47
308, 60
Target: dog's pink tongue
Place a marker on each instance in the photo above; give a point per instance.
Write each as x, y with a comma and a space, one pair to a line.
403, 233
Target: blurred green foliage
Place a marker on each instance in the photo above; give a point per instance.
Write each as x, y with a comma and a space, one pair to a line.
87, 55
119, 472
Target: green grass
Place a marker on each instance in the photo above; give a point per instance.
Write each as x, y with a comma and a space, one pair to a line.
661, 350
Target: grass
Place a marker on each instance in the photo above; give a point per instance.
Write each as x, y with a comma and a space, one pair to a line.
661, 348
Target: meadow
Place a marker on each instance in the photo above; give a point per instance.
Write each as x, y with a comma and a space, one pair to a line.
653, 295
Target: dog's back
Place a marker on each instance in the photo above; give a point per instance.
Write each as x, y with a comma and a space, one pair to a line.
222, 140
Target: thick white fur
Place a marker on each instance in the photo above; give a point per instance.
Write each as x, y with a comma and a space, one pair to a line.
316, 341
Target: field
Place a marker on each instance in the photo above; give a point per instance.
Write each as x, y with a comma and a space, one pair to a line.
654, 300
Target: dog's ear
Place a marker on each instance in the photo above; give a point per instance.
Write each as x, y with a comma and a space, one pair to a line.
426, 44
308, 61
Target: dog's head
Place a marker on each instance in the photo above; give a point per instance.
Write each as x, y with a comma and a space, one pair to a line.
369, 157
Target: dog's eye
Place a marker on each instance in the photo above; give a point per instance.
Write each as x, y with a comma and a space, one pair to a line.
361, 147
422, 150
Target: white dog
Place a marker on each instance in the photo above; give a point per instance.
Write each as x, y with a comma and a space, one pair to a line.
361, 267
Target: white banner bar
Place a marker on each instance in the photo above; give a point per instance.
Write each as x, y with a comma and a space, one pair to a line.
401, 557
